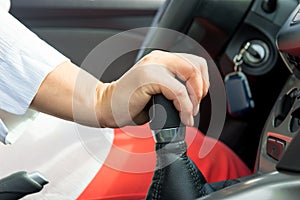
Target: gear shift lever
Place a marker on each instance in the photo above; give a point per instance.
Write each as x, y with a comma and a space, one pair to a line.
175, 176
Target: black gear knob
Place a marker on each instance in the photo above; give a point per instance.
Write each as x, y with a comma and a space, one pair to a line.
164, 114
175, 176
165, 121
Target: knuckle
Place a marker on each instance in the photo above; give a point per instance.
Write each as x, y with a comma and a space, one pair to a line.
203, 62
156, 52
181, 92
195, 71
199, 95
145, 73
188, 109
147, 58
150, 58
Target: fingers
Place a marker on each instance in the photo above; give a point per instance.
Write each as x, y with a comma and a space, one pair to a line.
189, 68
198, 82
175, 91
157, 79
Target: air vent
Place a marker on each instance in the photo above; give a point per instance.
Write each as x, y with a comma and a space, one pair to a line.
284, 106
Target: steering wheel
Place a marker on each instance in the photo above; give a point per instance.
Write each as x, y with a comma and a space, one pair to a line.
171, 11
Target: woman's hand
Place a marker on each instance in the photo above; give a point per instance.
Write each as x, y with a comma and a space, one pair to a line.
122, 102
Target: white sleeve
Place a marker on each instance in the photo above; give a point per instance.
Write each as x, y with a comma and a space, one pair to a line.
25, 61
5, 4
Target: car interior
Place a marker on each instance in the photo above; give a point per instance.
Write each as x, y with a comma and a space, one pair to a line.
262, 91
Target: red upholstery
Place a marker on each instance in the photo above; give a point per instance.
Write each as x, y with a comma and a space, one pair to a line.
128, 169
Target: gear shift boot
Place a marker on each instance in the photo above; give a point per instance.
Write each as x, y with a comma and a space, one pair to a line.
176, 176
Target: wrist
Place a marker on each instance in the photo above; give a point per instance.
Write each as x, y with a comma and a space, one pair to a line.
103, 107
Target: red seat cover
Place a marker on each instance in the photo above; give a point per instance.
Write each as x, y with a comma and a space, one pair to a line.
128, 169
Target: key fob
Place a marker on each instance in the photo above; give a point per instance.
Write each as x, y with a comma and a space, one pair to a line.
239, 97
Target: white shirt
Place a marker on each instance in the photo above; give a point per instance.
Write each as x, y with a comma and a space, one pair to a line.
25, 61
5, 4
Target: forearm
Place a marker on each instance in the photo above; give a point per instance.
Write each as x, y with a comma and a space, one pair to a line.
70, 93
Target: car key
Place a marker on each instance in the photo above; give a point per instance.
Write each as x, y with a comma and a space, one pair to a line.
239, 96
